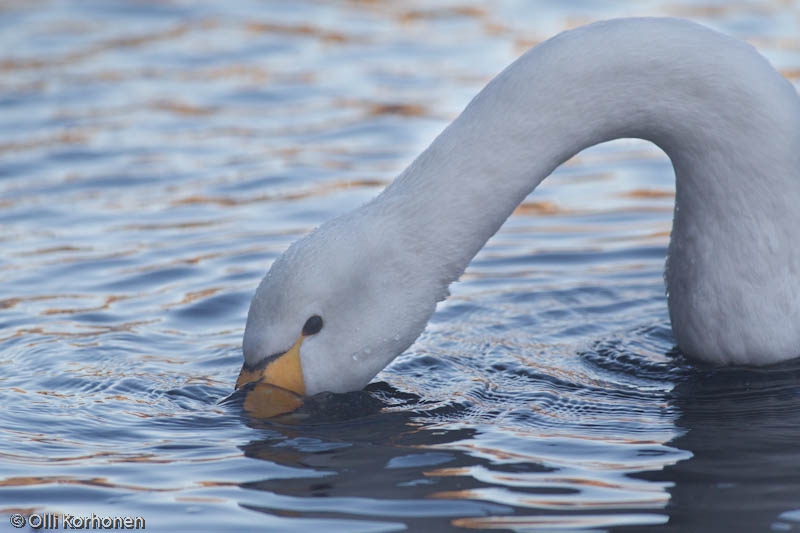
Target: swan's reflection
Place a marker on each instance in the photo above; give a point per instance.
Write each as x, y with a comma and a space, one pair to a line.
367, 463
367, 473
407, 470
742, 428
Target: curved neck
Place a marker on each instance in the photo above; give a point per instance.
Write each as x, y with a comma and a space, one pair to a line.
724, 116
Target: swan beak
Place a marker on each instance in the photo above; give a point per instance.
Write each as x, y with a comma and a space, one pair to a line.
281, 370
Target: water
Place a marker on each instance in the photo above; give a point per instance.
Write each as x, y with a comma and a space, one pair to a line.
156, 157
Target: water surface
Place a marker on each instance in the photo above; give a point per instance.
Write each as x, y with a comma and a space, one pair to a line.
156, 157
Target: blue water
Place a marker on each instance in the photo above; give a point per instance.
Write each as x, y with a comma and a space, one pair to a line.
156, 157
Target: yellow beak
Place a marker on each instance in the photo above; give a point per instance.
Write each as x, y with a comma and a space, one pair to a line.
279, 385
283, 371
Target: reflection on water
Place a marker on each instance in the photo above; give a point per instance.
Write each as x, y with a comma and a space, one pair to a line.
155, 157
741, 427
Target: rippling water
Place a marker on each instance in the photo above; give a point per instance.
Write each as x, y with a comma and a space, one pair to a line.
155, 157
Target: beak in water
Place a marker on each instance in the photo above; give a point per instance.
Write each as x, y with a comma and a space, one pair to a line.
279, 384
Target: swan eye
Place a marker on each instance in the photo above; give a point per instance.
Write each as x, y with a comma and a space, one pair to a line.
312, 326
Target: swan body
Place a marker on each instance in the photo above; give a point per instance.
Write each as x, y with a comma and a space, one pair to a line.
728, 121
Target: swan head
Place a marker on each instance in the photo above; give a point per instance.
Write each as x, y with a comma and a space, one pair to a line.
335, 309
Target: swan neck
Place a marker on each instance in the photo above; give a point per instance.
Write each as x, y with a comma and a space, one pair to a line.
712, 103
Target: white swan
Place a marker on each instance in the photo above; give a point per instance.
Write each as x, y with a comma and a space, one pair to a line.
346, 299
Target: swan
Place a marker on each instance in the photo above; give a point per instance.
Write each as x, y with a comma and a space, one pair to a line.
342, 302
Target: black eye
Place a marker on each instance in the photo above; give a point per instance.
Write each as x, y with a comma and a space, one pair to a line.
312, 326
